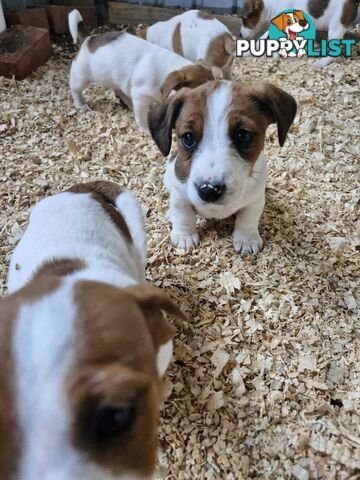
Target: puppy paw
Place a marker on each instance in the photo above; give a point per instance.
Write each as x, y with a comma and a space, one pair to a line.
185, 241
247, 244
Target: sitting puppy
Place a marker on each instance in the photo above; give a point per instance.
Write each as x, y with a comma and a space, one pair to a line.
134, 68
219, 169
83, 342
195, 35
334, 15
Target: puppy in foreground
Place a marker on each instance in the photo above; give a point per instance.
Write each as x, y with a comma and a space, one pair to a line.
133, 68
83, 342
219, 169
194, 35
332, 15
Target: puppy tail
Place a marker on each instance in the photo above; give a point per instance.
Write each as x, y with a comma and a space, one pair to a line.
130, 209
77, 27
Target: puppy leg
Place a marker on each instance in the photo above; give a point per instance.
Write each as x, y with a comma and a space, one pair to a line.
142, 106
246, 237
227, 72
336, 30
124, 99
183, 218
78, 83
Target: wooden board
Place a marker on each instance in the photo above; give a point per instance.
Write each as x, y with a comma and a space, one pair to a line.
125, 14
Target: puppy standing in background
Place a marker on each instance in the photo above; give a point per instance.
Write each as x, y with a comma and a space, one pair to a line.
134, 68
219, 169
83, 342
332, 15
195, 35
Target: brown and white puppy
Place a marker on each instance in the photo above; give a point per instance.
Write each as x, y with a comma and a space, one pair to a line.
83, 343
194, 35
332, 15
133, 68
219, 169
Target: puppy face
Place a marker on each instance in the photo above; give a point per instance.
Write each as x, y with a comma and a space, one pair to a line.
250, 15
220, 129
291, 23
82, 400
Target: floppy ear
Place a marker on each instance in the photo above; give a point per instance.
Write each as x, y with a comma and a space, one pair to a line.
299, 14
161, 121
153, 302
229, 45
280, 22
250, 7
278, 106
174, 81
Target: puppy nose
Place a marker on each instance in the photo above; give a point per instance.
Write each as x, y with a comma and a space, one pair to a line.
210, 192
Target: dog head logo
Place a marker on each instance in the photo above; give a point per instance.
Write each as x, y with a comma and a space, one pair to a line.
293, 28
291, 23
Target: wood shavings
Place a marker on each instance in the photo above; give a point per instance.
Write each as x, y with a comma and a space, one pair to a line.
265, 381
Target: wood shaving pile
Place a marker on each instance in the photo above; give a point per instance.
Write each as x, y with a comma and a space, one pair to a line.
265, 381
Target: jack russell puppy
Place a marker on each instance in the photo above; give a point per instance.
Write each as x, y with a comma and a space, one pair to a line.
332, 15
219, 169
194, 35
134, 68
83, 342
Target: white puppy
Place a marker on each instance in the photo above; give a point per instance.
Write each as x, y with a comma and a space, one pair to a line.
332, 15
83, 343
195, 35
134, 68
219, 169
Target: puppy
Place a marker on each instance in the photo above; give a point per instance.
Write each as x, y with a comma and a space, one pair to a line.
83, 342
219, 169
195, 35
332, 15
292, 24
134, 68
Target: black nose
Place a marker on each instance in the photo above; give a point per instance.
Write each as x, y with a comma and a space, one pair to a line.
210, 192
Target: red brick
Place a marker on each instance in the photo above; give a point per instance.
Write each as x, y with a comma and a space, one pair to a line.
29, 57
31, 17
58, 17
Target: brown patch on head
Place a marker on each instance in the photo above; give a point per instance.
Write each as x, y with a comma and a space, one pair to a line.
186, 112
349, 12
10, 441
97, 41
106, 193
114, 387
141, 31
190, 76
176, 40
60, 267
316, 8
204, 15
251, 13
221, 51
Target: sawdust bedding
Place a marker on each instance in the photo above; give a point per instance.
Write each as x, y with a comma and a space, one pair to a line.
265, 381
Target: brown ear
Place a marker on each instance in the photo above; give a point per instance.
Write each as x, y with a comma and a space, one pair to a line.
173, 81
299, 14
229, 45
250, 7
280, 21
278, 106
161, 121
152, 302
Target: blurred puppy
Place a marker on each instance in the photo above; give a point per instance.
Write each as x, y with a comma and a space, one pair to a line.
134, 68
195, 35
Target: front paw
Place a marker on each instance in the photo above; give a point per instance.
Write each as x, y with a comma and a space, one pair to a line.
185, 240
247, 244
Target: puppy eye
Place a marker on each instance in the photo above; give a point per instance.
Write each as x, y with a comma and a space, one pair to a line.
109, 422
289, 22
188, 140
243, 138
